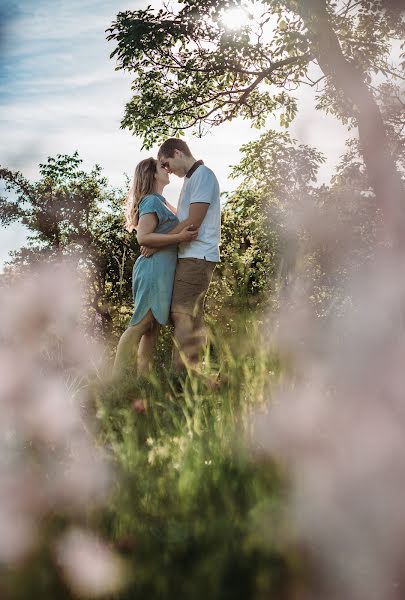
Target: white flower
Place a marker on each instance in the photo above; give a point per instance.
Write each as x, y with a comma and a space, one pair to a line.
89, 567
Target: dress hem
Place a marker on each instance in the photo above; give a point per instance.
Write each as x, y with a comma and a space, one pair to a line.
144, 315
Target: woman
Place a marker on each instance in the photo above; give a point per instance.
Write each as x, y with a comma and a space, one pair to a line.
152, 280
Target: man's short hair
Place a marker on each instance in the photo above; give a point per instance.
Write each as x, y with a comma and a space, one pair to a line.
169, 146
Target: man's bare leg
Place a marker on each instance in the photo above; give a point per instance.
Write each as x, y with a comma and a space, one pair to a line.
127, 349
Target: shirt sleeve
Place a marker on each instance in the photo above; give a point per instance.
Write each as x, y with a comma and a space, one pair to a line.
152, 204
204, 187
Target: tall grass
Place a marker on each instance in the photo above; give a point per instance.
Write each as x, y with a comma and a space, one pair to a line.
169, 496
189, 507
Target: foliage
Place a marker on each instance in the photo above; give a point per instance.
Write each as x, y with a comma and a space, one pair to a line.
71, 213
279, 223
392, 103
192, 492
192, 71
248, 254
258, 248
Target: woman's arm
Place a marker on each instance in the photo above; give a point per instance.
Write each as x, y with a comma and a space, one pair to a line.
146, 236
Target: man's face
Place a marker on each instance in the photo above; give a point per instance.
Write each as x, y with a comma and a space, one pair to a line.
174, 164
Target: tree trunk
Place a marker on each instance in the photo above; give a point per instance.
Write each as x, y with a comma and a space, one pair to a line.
383, 175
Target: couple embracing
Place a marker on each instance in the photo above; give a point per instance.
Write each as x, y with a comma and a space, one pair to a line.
179, 251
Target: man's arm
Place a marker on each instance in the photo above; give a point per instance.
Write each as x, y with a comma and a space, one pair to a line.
196, 216
197, 212
146, 237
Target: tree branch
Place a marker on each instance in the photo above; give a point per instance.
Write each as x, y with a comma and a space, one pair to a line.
267, 72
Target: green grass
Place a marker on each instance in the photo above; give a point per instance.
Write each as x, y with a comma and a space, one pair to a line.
195, 511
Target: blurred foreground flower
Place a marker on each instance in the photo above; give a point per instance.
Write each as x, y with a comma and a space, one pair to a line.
139, 406
89, 567
49, 461
339, 423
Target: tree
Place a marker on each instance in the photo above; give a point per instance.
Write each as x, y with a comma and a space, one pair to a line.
69, 212
259, 249
281, 174
194, 72
279, 222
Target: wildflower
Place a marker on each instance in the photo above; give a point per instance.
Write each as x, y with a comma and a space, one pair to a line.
139, 406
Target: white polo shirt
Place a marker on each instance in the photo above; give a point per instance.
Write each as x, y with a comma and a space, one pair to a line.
201, 186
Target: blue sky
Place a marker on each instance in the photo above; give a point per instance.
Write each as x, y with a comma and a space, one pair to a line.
59, 88
59, 93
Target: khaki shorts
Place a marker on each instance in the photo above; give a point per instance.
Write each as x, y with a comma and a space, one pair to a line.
191, 282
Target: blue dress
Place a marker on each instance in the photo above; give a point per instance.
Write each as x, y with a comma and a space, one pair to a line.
153, 277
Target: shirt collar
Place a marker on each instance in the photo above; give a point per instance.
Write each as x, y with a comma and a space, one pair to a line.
194, 168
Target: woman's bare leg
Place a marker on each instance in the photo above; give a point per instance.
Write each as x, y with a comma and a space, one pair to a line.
146, 349
127, 349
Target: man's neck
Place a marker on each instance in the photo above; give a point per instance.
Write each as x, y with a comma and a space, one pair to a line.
188, 163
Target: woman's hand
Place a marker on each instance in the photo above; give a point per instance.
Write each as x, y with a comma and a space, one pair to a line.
188, 234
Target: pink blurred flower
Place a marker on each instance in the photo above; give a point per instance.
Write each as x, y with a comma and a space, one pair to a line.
89, 567
48, 456
139, 406
82, 479
338, 423
19, 536
51, 414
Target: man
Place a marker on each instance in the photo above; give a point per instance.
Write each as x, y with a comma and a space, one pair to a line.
199, 205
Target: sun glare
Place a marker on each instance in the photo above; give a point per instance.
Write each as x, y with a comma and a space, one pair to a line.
253, 14
235, 18
248, 13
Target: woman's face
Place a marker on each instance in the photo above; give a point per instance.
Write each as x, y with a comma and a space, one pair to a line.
162, 176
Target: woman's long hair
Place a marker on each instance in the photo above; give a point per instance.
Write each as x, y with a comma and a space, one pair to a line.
142, 185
